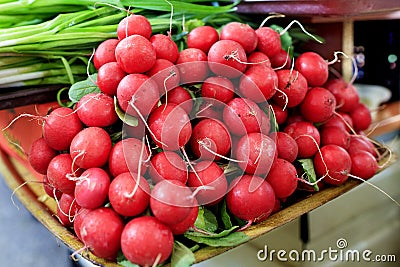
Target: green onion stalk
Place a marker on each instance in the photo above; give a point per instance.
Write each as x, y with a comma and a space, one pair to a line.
50, 42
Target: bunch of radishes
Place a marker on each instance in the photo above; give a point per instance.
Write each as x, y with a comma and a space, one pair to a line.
199, 128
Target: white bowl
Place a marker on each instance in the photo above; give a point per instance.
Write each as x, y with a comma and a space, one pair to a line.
373, 95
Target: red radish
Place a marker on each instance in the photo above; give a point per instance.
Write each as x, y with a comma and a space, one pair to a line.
78, 219
266, 123
346, 94
255, 153
313, 67
333, 135
61, 120
128, 196
192, 65
202, 37
361, 143
101, 231
138, 90
301, 186
242, 116
50, 189
210, 108
339, 119
171, 126
286, 146
125, 155
281, 60
258, 59
179, 96
168, 165
250, 198
280, 114
277, 206
91, 148
135, 54
227, 58
171, 201
181, 227
134, 24
258, 84
361, 117
283, 178
96, 109
146, 241
134, 131
58, 172
306, 136
242, 33
318, 105
165, 74
210, 138
294, 85
105, 52
219, 88
165, 47
363, 164
91, 188
269, 41
333, 163
208, 173
67, 208
40, 154
109, 76
294, 116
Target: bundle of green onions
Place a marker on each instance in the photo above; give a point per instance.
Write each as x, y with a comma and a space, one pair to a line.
50, 42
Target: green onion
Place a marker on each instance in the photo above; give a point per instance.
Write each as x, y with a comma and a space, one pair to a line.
40, 40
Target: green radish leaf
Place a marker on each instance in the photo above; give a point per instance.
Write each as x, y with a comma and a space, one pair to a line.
182, 256
193, 23
226, 219
206, 220
82, 88
126, 118
233, 239
308, 167
122, 260
213, 235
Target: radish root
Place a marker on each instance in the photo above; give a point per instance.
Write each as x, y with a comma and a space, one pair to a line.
274, 15
234, 55
131, 103
36, 117
323, 161
198, 189
138, 172
376, 187
206, 146
88, 66
284, 95
170, 19
171, 74
302, 28
209, 105
336, 58
79, 251
286, 61
157, 259
19, 187
247, 225
191, 165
